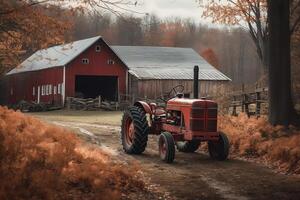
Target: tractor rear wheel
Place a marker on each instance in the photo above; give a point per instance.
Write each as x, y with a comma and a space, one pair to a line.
219, 149
166, 147
188, 146
134, 130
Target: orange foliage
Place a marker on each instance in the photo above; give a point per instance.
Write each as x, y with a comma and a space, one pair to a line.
256, 138
236, 11
171, 32
27, 26
210, 56
41, 161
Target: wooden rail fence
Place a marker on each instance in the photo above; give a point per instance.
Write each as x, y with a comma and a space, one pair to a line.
245, 99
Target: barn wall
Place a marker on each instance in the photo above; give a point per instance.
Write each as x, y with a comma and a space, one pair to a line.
154, 88
20, 86
97, 66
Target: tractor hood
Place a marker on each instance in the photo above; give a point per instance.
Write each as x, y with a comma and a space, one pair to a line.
192, 102
181, 103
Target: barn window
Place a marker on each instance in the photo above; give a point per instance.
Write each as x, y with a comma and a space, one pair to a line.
50, 89
47, 89
85, 61
110, 62
43, 90
59, 88
54, 89
33, 91
98, 48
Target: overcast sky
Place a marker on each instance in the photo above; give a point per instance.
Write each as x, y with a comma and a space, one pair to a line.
171, 8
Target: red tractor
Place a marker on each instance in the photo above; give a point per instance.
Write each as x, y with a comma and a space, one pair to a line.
182, 122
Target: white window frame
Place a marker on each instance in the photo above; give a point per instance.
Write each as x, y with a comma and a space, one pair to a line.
47, 89
85, 61
43, 90
50, 89
33, 91
54, 89
110, 62
98, 48
59, 89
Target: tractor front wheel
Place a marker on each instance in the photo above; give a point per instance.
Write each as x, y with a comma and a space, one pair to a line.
134, 130
166, 147
188, 146
219, 150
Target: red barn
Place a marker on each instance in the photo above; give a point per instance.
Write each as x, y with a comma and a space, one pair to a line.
90, 67
86, 68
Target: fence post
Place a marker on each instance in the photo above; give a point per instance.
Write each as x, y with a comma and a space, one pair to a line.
257, 104
234, 107
246, 105
69, 103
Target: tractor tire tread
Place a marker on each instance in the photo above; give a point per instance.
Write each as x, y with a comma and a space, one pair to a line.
170, 154
141, 130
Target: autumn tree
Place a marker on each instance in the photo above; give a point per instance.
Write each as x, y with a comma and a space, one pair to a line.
251, 14
25, 26
282, 111
270, 26
210, 56
153, 32
29, 25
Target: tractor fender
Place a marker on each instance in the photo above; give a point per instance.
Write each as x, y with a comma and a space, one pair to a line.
143, 105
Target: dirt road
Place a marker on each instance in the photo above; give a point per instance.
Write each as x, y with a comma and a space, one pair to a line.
192, 176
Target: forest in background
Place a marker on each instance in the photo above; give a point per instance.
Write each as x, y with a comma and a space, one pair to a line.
228, 49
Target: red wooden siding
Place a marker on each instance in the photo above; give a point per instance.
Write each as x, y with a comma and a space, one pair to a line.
20, 86
97, 66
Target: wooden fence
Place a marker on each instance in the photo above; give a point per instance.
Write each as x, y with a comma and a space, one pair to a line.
245, 99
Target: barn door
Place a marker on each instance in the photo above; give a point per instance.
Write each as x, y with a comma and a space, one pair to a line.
39, 94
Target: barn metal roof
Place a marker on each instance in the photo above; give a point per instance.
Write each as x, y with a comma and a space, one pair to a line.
54, 56
147, 62
144, 62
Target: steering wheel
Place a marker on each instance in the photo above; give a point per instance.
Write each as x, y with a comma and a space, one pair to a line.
173, 92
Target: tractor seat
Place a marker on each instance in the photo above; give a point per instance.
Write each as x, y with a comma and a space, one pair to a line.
159, 112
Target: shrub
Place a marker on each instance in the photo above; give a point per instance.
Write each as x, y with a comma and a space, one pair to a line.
256, 138
41, 161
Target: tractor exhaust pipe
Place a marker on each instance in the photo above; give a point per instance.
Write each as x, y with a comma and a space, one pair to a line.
196, 82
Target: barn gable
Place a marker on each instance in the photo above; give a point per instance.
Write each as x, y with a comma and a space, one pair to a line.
51, 75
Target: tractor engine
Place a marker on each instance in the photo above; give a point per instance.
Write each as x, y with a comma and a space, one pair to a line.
204, 116
174, 118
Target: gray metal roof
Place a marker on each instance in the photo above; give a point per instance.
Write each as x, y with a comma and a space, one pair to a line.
54, 56
144, 62
147, 62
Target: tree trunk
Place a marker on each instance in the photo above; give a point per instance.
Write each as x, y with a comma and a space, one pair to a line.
280, 101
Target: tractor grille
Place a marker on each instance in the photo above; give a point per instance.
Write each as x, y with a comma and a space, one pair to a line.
204, 116
197, 125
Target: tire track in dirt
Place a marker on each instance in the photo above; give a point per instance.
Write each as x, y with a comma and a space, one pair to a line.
194, 176
225, 191
90, 134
